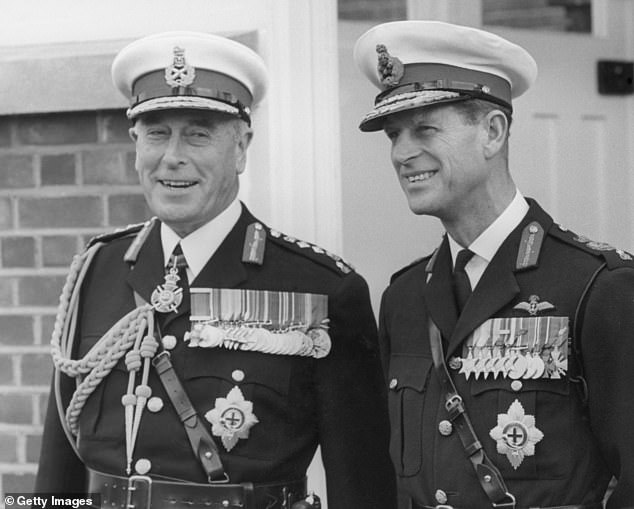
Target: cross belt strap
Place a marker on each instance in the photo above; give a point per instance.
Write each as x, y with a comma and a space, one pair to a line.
143, 492
201, 441
489, 476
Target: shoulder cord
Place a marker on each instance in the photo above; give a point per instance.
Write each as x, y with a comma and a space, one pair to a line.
487, 473
134, 334
576, 335
102, 357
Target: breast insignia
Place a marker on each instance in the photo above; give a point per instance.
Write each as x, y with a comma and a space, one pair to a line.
516, 434
534, 306
271, 322
232, 418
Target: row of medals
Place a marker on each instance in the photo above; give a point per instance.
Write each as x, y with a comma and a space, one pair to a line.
512, 363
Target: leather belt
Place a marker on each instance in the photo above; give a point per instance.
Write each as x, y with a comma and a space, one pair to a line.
446, 506
143, 492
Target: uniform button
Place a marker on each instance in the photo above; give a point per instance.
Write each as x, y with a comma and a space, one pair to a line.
393, 383
237, 375
155, 404
441, 497
169, 342
445, 428
142, 466
516, 385
455, 363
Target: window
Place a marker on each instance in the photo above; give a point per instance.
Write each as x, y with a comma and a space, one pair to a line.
372, 10
553, 15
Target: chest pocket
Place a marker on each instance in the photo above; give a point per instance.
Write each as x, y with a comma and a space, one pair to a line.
551, 404
408, 379
263, 380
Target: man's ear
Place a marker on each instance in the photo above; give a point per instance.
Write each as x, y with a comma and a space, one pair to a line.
243, 142
497, 128
133, 134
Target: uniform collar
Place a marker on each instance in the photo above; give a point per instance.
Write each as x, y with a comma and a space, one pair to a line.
200, 245
489, 241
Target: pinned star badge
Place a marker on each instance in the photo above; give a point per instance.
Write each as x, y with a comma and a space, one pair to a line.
232, 418
516, 434
534, 306
179, 73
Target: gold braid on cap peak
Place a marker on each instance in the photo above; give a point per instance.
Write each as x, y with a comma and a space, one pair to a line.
390, 68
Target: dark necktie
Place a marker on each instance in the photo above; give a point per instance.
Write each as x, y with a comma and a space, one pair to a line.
461, 283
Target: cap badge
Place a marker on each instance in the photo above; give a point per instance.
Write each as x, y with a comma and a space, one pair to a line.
390, 68
179, 74
516, 434
232, 418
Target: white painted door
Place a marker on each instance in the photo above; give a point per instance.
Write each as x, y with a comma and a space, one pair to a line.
570, 146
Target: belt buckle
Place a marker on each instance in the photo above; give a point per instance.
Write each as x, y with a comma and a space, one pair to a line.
453, 403
139, 492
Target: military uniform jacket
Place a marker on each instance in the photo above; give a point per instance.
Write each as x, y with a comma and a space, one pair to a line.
582, 446
337, 402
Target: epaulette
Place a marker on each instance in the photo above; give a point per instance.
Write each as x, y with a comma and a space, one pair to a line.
140, 230
530, 246
254, 248
418, 261
613, 257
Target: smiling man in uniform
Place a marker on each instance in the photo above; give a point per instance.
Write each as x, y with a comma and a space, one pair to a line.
510, 349
202, 357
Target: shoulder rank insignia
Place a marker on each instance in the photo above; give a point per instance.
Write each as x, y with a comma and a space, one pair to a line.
232, 418
139, 229
254, 244
533, 306
613, 256
133, 251
343, 266
530, 246
516, 434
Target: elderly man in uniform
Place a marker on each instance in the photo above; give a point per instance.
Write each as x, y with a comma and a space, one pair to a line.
510, 348
202, 357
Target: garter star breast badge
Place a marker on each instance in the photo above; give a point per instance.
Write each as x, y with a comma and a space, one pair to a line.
516, 434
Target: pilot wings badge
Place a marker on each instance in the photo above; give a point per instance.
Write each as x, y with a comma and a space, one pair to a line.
534, 306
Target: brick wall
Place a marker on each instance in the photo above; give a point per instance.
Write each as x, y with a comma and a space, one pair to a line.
63, 178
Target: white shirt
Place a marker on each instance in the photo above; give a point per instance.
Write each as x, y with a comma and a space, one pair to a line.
489, 241
200, 245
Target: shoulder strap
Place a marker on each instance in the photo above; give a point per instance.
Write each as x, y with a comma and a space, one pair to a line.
487, 473
576, 334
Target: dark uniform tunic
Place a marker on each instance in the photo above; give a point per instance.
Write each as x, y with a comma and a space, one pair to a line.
337, 402
583, 446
